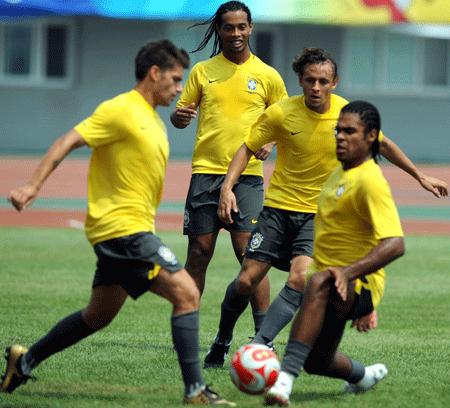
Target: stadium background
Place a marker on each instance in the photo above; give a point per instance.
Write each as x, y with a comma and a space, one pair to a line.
59, 63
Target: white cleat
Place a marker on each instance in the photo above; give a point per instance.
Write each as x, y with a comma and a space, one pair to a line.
280, 392
374, 374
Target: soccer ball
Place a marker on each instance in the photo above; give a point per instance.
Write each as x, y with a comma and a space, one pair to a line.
254, 368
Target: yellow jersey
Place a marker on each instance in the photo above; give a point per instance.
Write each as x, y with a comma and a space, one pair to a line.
356, 211
130, 150
306, 151
230, 98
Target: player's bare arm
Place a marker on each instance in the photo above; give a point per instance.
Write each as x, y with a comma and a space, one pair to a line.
23, 196
227, 201
182, 116
396, 156
386, 251
264, 152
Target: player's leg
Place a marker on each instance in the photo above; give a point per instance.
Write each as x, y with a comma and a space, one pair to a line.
199, 253
310, 323
236, 300
325, 360
180, 290
201, 224
249, 192
260, 300
103, 306
287, 302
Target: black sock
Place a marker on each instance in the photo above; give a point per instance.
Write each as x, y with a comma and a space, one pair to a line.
232, 307
295, 356
258, 318
64, 334
358, 372
185, 337
279, 314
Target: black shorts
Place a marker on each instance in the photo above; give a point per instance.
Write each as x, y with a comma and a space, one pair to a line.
280, 235
132, 262
200, 211
363, 305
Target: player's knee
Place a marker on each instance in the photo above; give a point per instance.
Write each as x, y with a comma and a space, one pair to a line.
199, 248
245, 285
320, 285
187, 297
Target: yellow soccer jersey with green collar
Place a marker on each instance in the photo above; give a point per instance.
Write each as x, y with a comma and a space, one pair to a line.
230, 98
356, 211
127, 167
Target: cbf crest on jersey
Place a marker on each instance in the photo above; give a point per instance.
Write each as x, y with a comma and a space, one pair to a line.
252, 84
340, 190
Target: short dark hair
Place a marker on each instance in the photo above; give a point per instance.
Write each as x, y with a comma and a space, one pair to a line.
370, 116
216, 21
163, 54
312, 56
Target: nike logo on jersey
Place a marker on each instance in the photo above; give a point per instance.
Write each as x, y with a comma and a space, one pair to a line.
296, 133
254, 221
212, 80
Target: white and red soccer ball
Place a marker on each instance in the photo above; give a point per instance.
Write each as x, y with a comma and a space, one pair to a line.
254, 368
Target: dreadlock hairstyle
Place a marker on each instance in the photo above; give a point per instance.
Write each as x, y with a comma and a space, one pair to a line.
370, 116
312, 56
216, 21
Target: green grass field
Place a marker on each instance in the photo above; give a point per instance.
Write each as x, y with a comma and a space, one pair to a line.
46, 274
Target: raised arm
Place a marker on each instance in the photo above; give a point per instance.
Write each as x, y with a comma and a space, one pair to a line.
396, 156
227, 202
23, 196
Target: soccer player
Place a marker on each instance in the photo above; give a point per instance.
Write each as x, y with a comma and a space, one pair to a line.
302, 126
230, 90
126, 173
358, 232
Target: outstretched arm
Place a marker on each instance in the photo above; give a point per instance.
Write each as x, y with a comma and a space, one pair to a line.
227, 202
396, 156
23, 196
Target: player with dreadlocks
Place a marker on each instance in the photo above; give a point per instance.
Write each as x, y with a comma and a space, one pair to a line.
302, 126
230, 91
357, 233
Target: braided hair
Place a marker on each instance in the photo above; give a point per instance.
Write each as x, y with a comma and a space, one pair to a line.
215, 21
370, 116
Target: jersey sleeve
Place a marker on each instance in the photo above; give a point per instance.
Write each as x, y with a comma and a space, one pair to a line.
192, 91
265, 129
101, 127
375, 201
277, 90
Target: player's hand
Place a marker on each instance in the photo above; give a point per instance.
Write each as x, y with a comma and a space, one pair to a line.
264, 152
227, 205
366, 323
22, 197
182, 116
341, 280
438, 187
